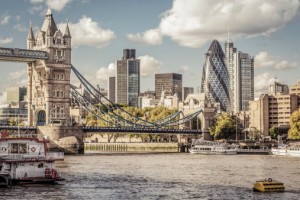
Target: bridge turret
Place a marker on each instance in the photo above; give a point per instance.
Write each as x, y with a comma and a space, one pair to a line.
30, 38
67, 40
49, 36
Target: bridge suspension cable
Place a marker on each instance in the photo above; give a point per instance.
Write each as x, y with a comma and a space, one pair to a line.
112, 108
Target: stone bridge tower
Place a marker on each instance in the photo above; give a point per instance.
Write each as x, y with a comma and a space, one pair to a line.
49, 81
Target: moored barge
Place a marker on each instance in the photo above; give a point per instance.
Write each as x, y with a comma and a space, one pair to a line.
26, 160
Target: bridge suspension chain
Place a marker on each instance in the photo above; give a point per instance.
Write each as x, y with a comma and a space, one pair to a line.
112, 108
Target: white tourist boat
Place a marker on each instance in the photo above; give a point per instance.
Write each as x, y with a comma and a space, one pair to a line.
209, 147
25, 159
287, 150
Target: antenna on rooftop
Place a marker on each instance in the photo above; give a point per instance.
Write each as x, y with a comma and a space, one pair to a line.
228, 35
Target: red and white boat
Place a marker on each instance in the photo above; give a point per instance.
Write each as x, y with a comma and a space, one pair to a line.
25, 159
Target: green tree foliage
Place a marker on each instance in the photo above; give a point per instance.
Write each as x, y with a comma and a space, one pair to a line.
294, 132
148, 114
273, 132
225, 127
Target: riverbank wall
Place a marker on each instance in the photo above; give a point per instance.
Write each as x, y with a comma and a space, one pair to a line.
94, 148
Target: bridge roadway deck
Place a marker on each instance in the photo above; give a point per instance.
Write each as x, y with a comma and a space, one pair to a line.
115, 129
22, 55
31, 128
139, 130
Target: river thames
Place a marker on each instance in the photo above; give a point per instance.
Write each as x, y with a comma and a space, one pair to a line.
165, 176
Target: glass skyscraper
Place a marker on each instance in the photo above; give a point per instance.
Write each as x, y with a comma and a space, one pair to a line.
128, 79
244, 81
215, 77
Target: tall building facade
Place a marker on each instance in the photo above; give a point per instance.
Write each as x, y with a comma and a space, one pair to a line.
215, 77
187, 91
230, 51
278, 88
16, 94
170, 83
49, 81
128, 79
243, 89
112, 89
240, 67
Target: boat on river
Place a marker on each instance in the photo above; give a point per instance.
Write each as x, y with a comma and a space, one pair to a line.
268, 185
200, 146
287, 150
26, 160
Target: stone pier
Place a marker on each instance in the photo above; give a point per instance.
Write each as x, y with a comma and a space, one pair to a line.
66, 138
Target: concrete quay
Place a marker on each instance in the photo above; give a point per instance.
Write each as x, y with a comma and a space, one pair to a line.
94, 148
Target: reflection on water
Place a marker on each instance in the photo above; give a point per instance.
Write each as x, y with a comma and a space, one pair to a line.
165, 176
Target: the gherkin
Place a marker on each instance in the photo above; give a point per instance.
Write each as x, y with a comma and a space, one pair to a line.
215, 78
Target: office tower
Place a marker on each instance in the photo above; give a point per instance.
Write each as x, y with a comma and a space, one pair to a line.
243, 81
171, 83
278, 88
187, 91
112, 89
16, 94
229, 62
128, 79
215, 79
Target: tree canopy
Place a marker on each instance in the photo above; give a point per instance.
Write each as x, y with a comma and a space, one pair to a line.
225, 127
148, 114
294, 132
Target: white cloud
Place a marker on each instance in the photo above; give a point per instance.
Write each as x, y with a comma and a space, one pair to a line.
4, 20
104, 72
263, 59
262, 83
37, 9
57, 5
17, 75
89, 33
184, 69
150, 37
36, 1
7, 40
149, 65
21, 28
194, 23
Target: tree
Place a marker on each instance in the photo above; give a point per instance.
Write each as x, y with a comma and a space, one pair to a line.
294, 132
273, 132
225, 127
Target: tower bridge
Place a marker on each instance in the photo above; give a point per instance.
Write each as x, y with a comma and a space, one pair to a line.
48, 59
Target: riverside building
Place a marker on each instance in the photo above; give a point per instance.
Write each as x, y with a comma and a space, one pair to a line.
273, 109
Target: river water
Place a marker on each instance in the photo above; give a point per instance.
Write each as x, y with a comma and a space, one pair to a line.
165, 176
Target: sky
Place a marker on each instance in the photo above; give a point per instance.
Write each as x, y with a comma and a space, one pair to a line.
169, 36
